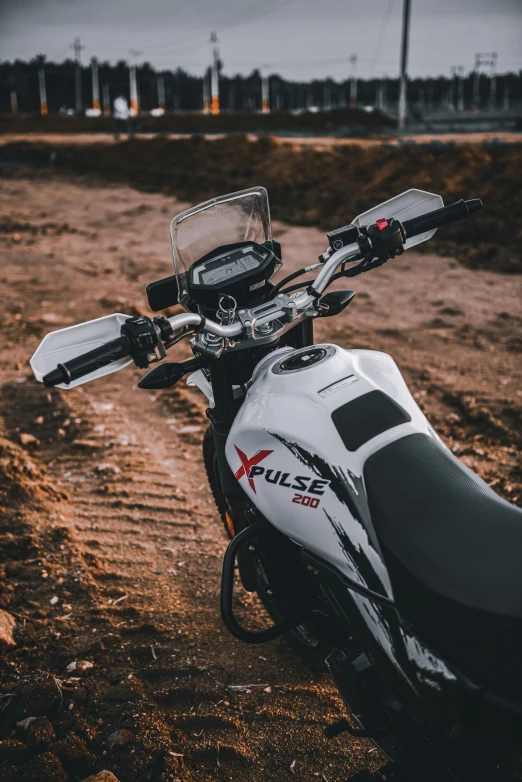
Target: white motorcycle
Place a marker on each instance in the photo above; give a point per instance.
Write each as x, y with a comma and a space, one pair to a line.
375, 551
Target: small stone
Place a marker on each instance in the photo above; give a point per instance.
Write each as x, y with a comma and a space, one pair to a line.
268, 690
119, 738
39, 420
28, 439
25, 723
79, 665
54, 600
16, 237
7, 625
159, 572
102, 776
107, 467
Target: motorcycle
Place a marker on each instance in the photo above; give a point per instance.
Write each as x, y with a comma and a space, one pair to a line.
375, 551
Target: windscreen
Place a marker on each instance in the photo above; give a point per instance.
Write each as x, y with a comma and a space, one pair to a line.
237, 217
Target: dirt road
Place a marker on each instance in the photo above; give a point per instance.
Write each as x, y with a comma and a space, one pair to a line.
107, 485
314, 142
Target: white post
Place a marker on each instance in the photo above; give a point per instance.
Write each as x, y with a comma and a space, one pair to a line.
95, 85
161, 92
214, 104
265, 95
43, 94
133, 91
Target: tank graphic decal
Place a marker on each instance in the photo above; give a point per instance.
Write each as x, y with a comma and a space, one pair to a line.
247, 464
347, 487
356, 558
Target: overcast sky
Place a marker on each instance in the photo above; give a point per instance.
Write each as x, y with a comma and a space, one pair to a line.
299, 39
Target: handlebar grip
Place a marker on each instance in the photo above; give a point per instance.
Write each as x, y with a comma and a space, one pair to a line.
448, 214
88, 362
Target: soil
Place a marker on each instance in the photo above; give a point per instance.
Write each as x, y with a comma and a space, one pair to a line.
110, 545
313, 186
338, 120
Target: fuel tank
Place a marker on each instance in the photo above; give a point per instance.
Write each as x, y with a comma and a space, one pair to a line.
298, 446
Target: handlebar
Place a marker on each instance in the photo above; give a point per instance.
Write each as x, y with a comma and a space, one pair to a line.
448, 214
284, 307
88, 362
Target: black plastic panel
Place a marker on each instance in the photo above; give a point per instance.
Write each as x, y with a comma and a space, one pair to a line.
162, 293
366, 417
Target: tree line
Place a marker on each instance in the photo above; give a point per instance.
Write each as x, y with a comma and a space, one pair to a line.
184, 91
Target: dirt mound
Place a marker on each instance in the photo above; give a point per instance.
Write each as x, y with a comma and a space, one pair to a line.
339, 120
310, 187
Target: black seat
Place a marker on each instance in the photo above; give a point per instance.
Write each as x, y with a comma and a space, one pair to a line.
454, 552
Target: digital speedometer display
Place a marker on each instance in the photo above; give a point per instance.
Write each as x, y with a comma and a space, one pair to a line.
228, 266
232, 269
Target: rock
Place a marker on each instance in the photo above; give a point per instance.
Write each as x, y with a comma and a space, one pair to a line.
79, 665
119, 738
45, 768
102, 776
54, 600
13, 751
7, 625
107, 467
28, 439
40, 733
25, 723
16, 237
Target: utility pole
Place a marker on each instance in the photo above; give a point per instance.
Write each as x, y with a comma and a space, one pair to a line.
493, 82
353, 81
161, 92
14, 102
95, 85
476, 82
106, 101
43, 94
214, 104
406, 10
77, 46
490, 60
